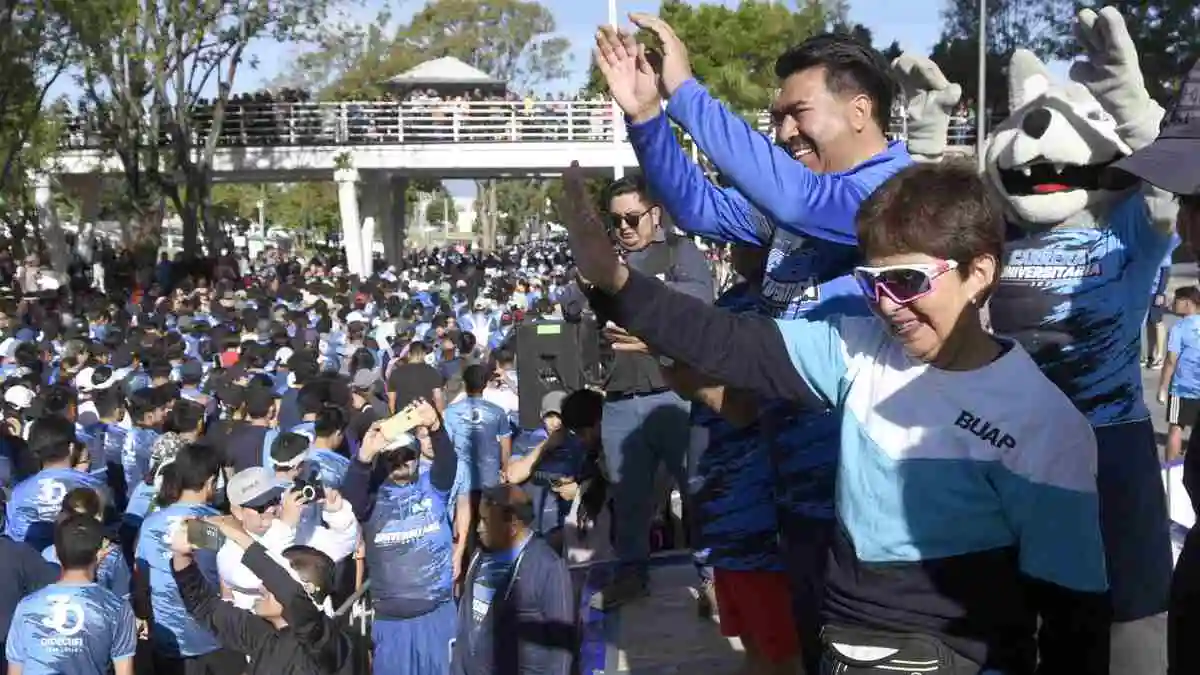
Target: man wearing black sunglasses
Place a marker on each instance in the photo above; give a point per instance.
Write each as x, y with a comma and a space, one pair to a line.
644, 421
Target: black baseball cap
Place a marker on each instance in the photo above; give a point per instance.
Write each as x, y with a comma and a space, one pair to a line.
1172, 161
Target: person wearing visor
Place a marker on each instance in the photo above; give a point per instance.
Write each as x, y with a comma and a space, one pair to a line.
954, 446
410, 548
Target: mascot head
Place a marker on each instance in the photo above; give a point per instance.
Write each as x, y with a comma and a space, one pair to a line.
1049, 159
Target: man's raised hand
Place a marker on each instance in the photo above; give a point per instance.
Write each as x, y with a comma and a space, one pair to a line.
631, 81
590, 244
676, 69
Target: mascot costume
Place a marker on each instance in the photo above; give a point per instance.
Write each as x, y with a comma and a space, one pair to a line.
1084, 244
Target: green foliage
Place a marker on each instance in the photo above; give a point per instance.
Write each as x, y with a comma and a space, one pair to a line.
511, 40
146, 65
441, 211
292, 206
1166, 32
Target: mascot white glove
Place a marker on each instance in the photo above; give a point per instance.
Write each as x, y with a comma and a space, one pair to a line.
1113, 74
930, 100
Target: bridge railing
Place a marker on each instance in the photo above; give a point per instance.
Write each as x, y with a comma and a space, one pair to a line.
281, 123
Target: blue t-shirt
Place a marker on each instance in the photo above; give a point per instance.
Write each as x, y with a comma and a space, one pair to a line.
112, 573
476, 427
566, 461
141, 502
135, 455
174, 631
410, 549
71, 628
36, 502
1075, 297
331, 465
732, 486
1183, 341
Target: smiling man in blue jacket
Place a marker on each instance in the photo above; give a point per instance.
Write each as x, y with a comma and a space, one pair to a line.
798, 197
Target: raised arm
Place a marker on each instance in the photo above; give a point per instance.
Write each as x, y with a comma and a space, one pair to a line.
789, 193
235, 628
745, 351
696, 205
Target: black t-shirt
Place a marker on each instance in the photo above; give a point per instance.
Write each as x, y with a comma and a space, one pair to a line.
244, 445
360, 421
411, 381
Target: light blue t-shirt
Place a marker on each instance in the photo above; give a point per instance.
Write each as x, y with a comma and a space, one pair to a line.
1183, 341
476, 427
174, 631
112, 573
71, 628
36, 502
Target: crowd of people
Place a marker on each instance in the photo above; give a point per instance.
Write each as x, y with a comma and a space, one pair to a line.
911, 438
422, 115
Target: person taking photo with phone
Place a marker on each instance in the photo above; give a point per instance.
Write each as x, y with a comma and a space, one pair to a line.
410, 548
288, 631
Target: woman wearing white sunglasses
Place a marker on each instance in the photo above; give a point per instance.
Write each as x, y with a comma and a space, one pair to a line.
966, 495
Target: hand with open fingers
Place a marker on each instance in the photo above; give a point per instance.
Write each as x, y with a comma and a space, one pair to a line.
676, 69
930, 101
590, 244
631, 81
1111, 71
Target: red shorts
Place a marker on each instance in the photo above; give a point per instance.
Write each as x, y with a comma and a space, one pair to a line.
756, 606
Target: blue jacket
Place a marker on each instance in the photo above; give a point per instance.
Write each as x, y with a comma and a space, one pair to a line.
533, 614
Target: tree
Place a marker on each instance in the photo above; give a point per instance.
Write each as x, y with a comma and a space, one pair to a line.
1166, 32
146, 70
733, 50
1011, 24
34, 54
441, 210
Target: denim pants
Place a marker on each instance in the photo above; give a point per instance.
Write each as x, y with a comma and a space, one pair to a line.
638, 434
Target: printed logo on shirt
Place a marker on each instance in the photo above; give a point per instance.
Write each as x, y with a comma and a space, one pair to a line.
1050, 264
49, 497
985, 430
173, 525
481, 602
66, 619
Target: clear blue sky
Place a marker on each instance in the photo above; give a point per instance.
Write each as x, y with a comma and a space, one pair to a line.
915, 23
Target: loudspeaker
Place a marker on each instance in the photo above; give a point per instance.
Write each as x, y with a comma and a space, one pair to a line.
553, 355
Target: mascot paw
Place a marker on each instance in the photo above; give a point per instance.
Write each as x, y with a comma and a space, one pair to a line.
1111, 71
931, 99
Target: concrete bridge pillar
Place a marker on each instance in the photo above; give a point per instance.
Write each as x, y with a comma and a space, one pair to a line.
347, 182
397, 223
49, 224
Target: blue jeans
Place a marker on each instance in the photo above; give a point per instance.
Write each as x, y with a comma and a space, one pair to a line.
638, 434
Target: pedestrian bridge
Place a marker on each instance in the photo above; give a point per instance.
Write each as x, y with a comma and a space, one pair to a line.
290, 142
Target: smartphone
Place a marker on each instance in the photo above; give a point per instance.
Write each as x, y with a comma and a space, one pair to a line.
204, 535
402, 422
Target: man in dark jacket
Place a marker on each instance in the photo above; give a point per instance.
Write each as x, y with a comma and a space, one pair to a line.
516, 614
288, 633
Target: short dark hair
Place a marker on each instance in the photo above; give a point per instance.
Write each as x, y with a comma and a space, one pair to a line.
53, 439
1189, 293
77, 540
624, 186
315, 569
942, 210
511, 500
850, 64
475, 378
582, 409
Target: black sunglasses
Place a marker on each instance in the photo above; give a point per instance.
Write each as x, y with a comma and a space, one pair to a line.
631, 220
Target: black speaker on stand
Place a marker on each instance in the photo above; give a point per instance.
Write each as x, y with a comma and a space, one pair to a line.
554, 355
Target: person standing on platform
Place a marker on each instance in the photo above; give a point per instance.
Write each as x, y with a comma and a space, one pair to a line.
644, 422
